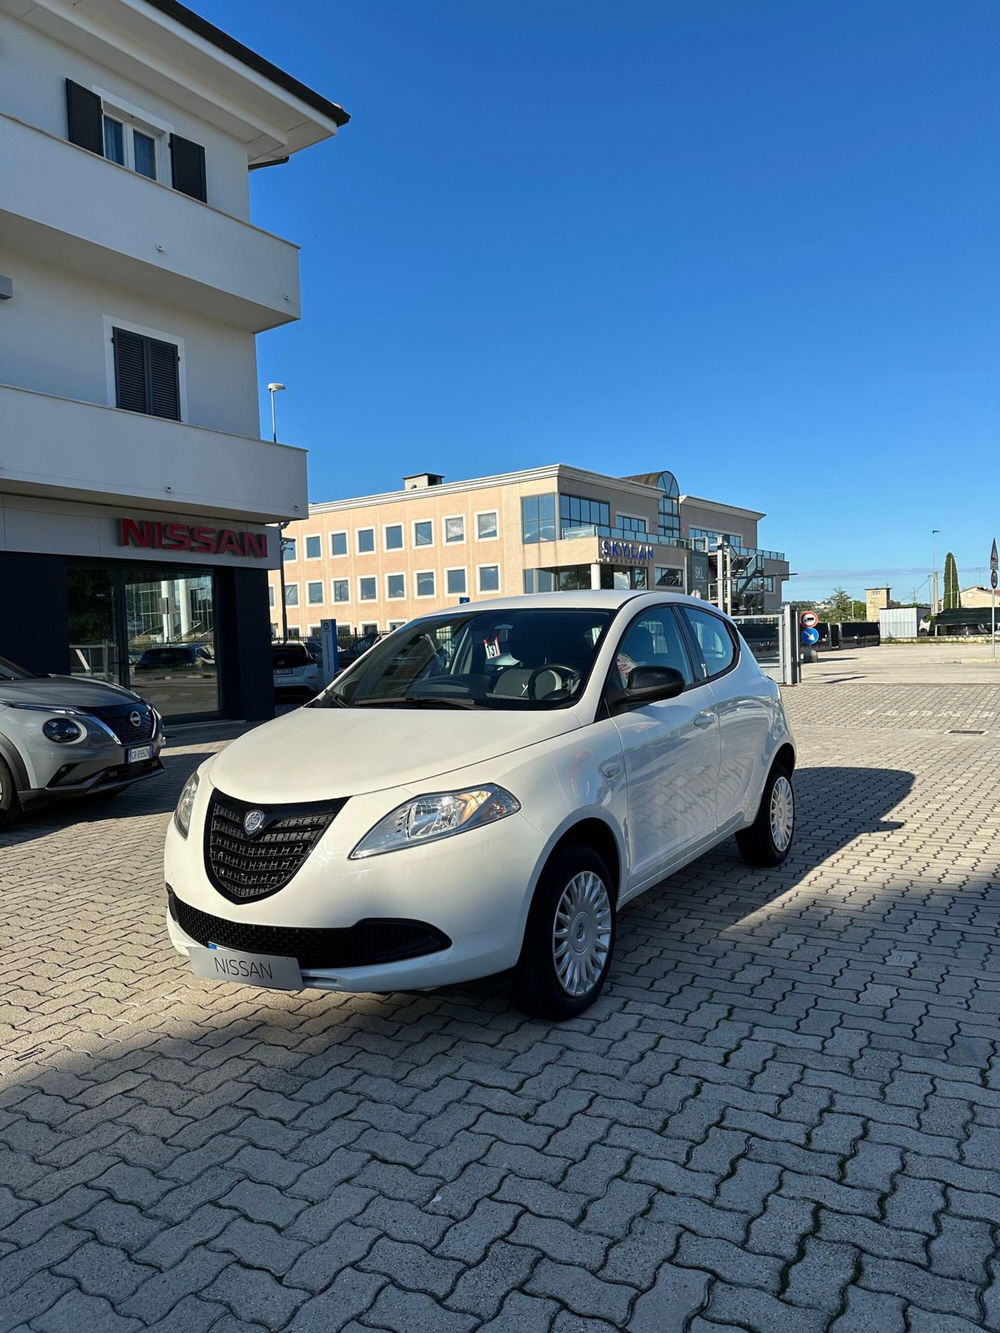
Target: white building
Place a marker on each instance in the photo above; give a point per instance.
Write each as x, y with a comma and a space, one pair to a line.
134, 485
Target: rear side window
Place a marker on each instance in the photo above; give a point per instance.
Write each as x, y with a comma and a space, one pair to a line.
714, 645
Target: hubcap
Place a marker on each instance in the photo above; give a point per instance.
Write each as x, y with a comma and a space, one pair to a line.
581, 934
782, 813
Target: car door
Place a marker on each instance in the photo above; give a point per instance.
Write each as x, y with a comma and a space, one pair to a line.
743, 706
671, 750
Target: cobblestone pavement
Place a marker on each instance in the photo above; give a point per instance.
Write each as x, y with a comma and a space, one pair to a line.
783, 1115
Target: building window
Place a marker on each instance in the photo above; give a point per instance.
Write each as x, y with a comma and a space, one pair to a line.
394, 537
294, 632
366, 540
314, 548
314, 594
368, 589
486, 525
454, 582
270, 594
538, 518
289, 551
315, 631
489, 578
395, 586
454, 529
669, 578
631, 526
396, 624
340, 589
425, 583
147, 374
539, 580
423, 533
129, 146
291, 594
367, 627
338, 543
576, 512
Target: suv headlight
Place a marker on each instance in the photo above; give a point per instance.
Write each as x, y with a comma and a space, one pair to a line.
185, 804
63, 730
438, 815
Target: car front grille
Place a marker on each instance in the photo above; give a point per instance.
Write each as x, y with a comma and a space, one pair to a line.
119, 718
366, 944
245, 866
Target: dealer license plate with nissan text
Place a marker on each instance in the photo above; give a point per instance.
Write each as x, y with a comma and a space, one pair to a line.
138, 753
249, 969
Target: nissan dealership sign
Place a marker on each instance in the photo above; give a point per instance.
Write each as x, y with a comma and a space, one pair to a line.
198, 538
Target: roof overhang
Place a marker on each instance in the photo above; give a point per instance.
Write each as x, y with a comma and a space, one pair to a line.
166, 47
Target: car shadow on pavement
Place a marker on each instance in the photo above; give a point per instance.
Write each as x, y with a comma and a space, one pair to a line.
151, 796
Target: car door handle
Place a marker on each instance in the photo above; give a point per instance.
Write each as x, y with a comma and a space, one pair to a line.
611, 771
705, 719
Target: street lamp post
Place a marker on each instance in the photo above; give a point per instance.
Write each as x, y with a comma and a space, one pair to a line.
272, 390
934, 573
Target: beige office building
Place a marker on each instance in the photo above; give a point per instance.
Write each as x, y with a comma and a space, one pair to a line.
374, 562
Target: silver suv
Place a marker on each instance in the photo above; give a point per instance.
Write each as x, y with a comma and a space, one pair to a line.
63, 736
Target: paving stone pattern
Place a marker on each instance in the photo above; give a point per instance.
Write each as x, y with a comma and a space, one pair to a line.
783, 1115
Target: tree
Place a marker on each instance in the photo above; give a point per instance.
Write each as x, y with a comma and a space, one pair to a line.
840, 606
952, 595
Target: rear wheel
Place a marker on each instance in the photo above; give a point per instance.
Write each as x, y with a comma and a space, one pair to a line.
569, 938
768, 839
9, 804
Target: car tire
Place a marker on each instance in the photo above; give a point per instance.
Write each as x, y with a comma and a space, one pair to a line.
9, 803
569, 938
768, 840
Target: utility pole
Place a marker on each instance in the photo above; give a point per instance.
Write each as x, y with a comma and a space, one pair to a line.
935, 606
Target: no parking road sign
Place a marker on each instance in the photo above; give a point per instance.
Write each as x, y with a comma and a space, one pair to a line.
809, 620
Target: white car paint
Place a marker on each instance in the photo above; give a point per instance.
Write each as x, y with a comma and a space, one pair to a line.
667, 780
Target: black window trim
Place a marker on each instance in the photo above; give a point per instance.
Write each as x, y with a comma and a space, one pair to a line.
694, 649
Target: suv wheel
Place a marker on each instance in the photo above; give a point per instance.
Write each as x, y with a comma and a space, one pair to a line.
9, 804
569, 938
768, 839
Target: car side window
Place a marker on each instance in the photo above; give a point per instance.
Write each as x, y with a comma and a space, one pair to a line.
716, 651
653, 639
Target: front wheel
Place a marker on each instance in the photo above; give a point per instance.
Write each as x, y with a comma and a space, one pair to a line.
768, 839
569, 938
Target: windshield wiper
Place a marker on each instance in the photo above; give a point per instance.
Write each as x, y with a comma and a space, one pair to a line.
326, 701
414, 701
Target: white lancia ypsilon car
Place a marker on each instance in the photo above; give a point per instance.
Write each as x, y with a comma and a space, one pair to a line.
480, 793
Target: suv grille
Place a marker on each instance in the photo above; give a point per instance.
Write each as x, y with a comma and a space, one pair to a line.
365, 944
118, 718
244, 866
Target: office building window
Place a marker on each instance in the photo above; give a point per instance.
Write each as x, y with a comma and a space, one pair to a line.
395, 586
669, 578
338, 543
538, 518
454, 582
454, 529
576, 512
366, 540
270, 594
314, 548
368, 589
539, 580
423, 533
425, 583
394, 537
396, 624
288, 549
367, 627
341, 590
632, 526
291, 594
486, 525
314, 594
489, 578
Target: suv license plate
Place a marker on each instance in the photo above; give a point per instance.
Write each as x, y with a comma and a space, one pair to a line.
251, 969
138, 753
284, 671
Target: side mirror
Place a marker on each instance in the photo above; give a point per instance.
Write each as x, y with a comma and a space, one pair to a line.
647, 685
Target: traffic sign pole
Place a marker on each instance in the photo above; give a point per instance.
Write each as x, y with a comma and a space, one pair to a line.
994, 562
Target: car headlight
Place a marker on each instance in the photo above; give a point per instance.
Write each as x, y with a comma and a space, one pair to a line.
185, 804
438, 815
63, 730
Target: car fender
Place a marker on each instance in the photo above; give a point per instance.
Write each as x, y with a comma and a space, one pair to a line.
12, 756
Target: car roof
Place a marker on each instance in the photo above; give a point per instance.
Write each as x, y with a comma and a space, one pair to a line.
608, 599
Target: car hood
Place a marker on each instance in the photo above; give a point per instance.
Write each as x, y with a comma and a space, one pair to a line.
64, 692
317, 754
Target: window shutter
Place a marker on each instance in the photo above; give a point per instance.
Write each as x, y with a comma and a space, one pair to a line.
187, 162
83, 116
130, 370
164, 398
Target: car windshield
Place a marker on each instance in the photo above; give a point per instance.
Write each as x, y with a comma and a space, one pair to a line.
11, 671
507, 659
292, 655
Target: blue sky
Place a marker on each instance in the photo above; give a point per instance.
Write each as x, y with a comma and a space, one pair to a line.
751, 241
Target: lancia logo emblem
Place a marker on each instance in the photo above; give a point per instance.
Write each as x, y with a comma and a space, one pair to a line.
135, 718
253, 822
